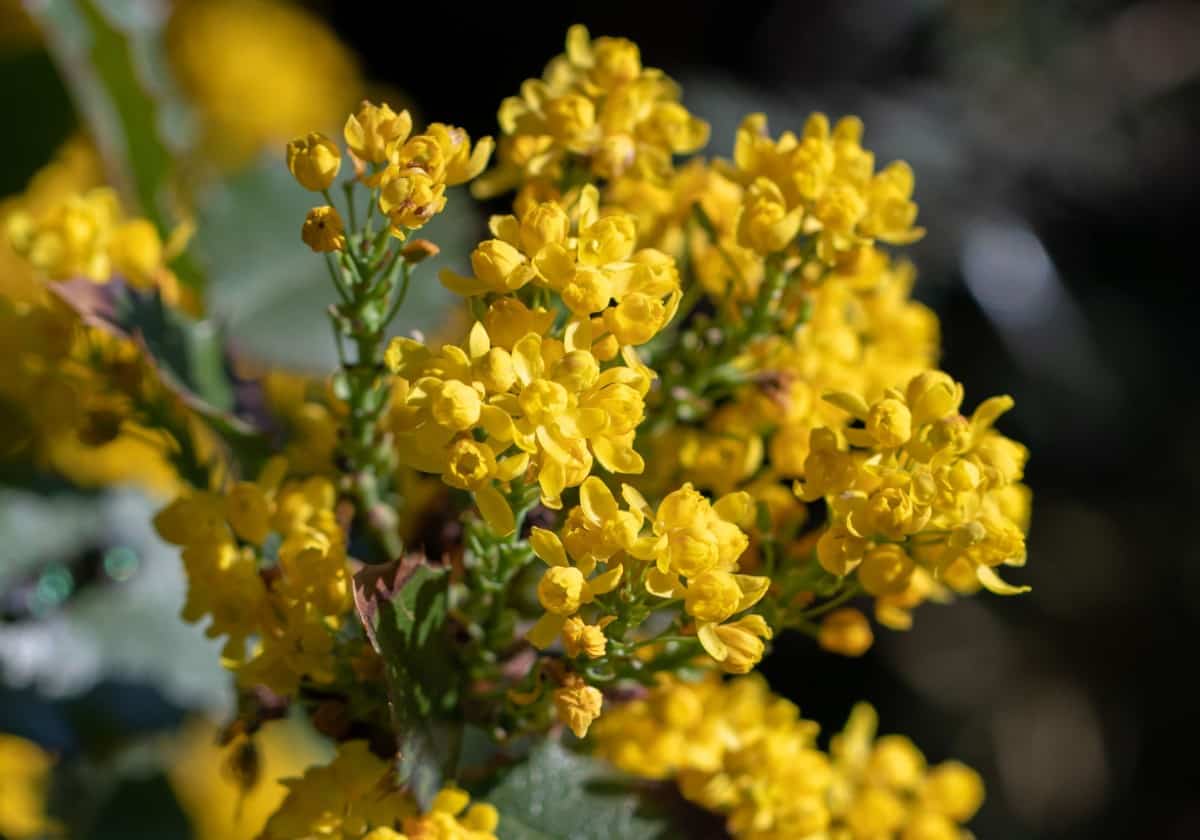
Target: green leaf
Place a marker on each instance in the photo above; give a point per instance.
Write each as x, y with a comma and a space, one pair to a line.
403, 607
557, 794
191, 350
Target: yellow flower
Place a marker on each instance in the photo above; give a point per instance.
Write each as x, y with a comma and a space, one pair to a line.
344, 799
579, 637
24, 783
314, 161
136, 251
564, 587
740, 645
885, 570
371, 129
577, 704
410, 198
323, 230
766, 225
846, 631
596, 108
953, 790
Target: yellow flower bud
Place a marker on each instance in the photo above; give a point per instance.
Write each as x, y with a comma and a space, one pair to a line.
886, 570
561, 590
953, 789
456, 406
323, 230
372, 128
544, 224
875, 812
495, 370
896, 763
314, 161
712, 596
577, 704
890, 423
845, 631
925, 825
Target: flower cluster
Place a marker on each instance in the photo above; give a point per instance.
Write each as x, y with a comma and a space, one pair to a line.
822, 184
88, 235
437, 543
266, 564
355, 797
920, 485
460, 410
597, 110
407, 173
736, 749
684, 554
591, 265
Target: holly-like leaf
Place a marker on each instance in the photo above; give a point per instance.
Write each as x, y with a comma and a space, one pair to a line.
557, 794
403, 607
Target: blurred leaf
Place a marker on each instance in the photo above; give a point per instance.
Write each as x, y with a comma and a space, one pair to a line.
104, 51
557, 793
125, 630
192, 351
403, 606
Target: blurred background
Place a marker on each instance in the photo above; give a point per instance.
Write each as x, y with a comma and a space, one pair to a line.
1055, 146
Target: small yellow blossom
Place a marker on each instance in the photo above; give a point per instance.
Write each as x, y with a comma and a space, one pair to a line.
577, 704
314, 161
323, 230
846, 631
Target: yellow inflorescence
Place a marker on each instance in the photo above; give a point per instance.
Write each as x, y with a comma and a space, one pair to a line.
732, 337
355, 797
597, 112
737, 749
266, 564
919, 486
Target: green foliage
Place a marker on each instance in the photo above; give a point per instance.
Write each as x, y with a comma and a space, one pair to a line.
557, 794
404, 608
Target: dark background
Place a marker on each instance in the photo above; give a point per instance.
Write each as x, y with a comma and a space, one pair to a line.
1057, 172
